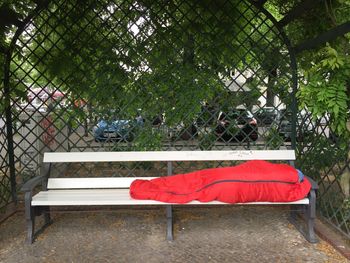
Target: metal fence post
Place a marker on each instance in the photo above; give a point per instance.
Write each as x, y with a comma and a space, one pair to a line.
9, 126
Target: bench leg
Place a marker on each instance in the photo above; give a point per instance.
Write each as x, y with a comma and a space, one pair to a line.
310, 216
293, 214
169, 217
30, 214
30, 231
30, 218
47, 216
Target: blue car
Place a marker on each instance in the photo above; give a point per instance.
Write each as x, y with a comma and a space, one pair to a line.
117, 130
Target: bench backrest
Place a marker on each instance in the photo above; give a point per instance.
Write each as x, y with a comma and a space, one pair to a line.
240, 155
168, 156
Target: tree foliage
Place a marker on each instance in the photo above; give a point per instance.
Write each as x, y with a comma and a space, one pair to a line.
324, 71
169, 57
326, 87
145, 54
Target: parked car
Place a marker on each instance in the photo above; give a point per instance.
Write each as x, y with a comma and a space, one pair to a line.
236, 125
183, 132
207, 116
116, 130
266, 115
39, 99
304, 125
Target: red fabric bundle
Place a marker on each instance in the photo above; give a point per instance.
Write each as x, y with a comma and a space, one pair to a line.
252, 181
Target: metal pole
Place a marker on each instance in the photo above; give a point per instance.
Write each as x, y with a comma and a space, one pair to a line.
9, 127
294, 69
7, 95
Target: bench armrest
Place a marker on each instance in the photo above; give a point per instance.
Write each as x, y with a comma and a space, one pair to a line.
32, 183
314, 185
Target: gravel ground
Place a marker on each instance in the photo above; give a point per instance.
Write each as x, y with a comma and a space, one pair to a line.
205, 234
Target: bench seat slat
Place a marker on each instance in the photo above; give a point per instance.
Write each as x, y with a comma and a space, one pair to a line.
112, 197
95, 182
239, 155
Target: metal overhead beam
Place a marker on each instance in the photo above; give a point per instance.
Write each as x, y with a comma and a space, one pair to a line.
323, 38
297, 11
259, 2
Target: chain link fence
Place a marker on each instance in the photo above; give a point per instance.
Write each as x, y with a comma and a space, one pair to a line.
162, 75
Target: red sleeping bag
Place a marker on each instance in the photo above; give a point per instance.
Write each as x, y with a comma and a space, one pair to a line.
252, 181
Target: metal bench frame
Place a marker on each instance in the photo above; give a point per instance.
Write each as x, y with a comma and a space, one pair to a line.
307, 206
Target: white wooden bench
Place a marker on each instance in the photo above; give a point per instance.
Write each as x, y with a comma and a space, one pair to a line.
113, 191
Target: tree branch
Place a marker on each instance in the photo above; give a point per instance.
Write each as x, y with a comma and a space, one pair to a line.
297, 11
323, 38
9, 17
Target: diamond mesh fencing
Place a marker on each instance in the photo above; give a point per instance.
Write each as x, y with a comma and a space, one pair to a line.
125, 75
326, 157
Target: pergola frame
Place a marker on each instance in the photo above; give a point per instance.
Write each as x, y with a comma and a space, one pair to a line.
293, 51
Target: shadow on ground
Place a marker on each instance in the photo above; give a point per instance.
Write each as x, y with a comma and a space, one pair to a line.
206, 234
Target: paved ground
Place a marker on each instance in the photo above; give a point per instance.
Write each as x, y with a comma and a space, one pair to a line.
212, 234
